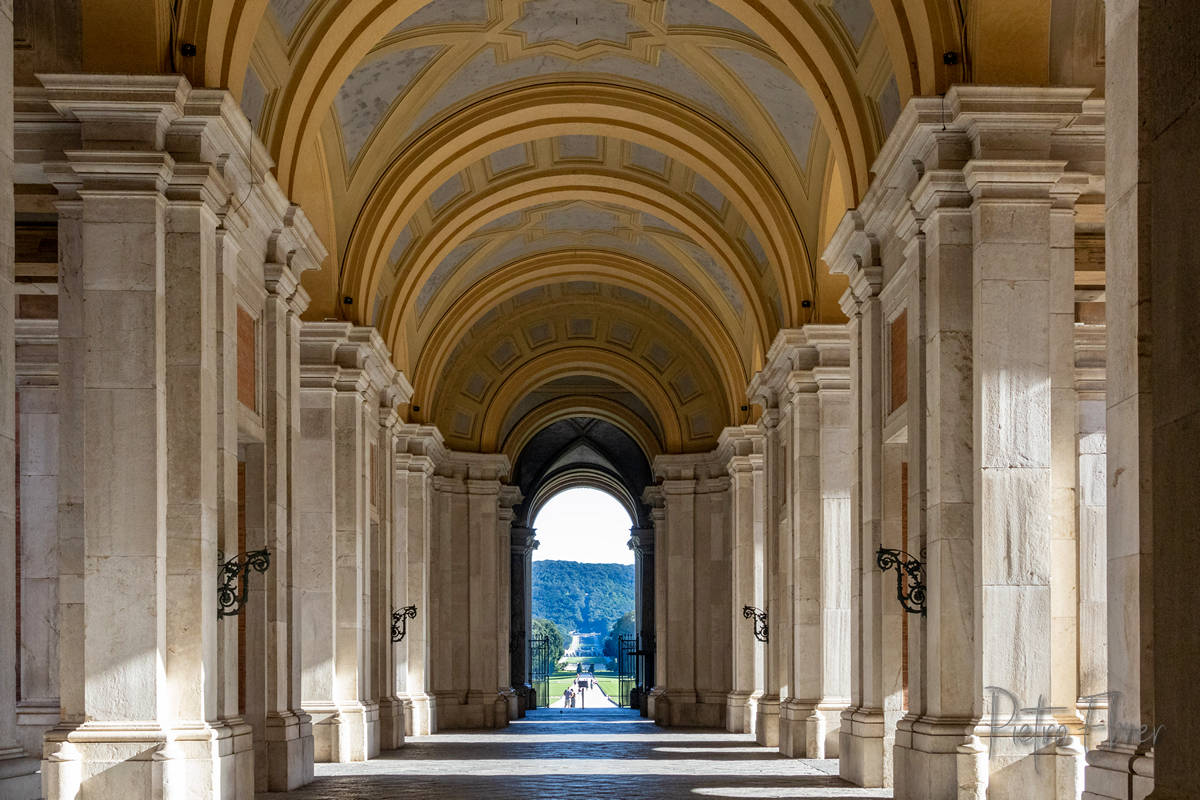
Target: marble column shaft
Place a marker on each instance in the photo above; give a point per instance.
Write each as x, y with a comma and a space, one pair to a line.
419, 450
747, 495
17, 771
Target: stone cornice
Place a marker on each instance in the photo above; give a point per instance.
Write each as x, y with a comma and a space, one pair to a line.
489, 468
801, 350
342, 351
739, 441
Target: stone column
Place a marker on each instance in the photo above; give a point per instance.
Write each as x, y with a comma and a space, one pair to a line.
678, 637
1091, 451
387, 589
521, 546
141, 717
346, 370
692, 683
464, 554
642, 542
748, 521
654, 499
18, 778
942, 700
419, 451
509, 497
1013, 443
819, 499
37, 413
867, 733
283, 732
766, 721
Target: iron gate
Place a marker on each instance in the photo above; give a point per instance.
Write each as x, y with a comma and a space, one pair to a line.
628, 668
541, 664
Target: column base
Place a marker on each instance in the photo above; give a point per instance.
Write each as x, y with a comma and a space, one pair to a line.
683, 709
345, 732
289, 751
926, 757
741, 708
1118, 772
808, 730
104, 759
20, 775
245, 758
480, 711
513, 703
766, 721
865, 744
423, 717
391, 723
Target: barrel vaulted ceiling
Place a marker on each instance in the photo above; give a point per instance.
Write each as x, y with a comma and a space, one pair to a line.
570, 209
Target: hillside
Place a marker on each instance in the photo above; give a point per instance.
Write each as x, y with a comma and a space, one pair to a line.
583, 597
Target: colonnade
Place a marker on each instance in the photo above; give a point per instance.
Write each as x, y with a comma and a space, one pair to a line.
175, 412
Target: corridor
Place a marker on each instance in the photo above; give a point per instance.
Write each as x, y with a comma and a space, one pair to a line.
580, 754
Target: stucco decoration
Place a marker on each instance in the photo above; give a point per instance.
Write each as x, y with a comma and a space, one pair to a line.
575, 22
719, 276
485, 71
444, 270
648, 159
700, 13
780, 95
578, 147
453, 188
856, 17
254, 97
402, 242
288, 14
709, 194
755, 247
889, 105
372, 88
446, 12
509, 158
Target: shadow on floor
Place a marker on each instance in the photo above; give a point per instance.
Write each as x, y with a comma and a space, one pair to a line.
579, 755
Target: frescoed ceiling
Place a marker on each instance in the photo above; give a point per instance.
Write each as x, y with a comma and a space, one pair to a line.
574, 209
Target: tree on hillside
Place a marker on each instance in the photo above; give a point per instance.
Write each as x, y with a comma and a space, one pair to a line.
624, 626
580, 596
544, 627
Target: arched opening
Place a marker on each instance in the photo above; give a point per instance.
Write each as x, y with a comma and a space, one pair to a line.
583, 598
582, 571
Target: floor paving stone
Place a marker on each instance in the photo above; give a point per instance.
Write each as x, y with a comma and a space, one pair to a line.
580, 754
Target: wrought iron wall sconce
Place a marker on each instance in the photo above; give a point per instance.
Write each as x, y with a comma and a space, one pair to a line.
760, 621
233, 579
906, 564
400, 618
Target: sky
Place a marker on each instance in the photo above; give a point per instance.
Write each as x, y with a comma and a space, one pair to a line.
583, 525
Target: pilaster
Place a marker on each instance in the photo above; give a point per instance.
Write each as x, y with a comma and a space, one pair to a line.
742, 449
466, 650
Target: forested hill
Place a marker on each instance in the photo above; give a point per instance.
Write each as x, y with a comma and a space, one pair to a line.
584, 597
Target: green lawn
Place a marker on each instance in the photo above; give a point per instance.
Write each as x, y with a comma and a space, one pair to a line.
560, 680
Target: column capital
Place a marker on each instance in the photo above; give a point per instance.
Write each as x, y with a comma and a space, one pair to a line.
523, 539
641, 539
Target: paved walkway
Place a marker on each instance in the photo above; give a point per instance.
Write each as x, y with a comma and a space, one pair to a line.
580, 755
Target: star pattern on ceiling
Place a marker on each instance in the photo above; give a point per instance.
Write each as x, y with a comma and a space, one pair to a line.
576, 23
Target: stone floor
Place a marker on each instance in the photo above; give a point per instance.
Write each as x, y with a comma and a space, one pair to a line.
580, 754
